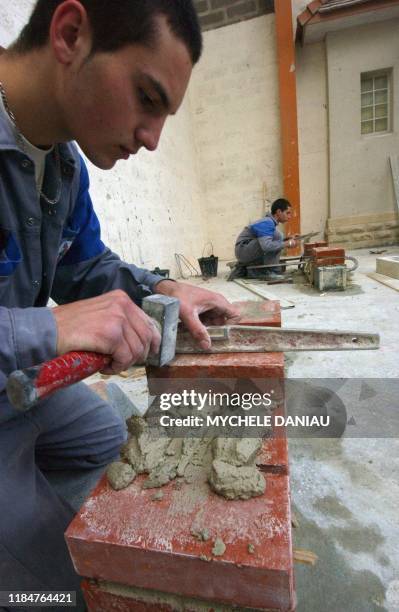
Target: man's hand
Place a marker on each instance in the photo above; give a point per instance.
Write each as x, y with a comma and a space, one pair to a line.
111, 324
291, 242
195, 301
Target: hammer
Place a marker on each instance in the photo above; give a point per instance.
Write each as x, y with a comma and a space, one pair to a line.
26, 387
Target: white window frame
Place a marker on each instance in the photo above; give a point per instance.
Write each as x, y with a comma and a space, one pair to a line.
373, 76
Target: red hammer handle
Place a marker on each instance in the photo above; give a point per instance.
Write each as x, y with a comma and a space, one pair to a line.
26, 387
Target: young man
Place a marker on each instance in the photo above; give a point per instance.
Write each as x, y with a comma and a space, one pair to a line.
261, 242
106, 74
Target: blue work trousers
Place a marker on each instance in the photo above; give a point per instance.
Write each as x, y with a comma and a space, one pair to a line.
74, 430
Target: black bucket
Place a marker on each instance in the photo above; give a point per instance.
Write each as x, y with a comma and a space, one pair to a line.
164, 273
209, 266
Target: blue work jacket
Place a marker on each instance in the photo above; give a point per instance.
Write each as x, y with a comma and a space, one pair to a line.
49, 251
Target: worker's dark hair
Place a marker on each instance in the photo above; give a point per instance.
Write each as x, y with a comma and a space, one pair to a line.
116, 23
280, 204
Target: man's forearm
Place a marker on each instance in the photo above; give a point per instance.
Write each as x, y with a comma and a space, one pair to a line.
29, 336
102, 274
268, 245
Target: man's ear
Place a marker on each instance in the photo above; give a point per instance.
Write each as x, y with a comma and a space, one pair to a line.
70, 33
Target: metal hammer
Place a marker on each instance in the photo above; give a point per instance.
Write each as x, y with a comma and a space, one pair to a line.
28, 386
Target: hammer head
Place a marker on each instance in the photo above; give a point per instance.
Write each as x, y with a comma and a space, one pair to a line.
165, 311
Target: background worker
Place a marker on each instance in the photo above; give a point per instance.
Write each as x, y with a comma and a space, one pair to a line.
70, 76
262, 243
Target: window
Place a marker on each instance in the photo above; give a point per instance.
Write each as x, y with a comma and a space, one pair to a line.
375, 102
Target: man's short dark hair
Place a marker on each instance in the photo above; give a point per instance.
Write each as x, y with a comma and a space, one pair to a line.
116, 23
280, 204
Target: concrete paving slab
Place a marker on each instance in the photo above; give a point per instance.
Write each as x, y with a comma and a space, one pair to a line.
388, 265
345, 491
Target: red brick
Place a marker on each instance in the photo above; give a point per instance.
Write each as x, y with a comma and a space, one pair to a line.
328, 256
308, 246
273, 457
104, 596
230, 365
266, 313
124, 537
99, 598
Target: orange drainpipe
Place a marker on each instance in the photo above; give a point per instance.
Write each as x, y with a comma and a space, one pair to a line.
288, 111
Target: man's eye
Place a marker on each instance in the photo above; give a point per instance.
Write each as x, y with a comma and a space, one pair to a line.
145, 99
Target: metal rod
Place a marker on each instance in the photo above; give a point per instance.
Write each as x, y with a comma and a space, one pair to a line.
248, 339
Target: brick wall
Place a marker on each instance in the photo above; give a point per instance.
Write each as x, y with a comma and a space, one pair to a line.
217, 13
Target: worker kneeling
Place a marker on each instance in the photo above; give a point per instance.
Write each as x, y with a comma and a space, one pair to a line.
261, 242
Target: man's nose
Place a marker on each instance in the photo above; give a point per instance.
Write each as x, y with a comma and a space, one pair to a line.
148, 136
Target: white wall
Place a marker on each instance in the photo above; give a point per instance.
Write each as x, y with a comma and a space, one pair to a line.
234, 96
13, 15
360, 180
149, 206
313, 136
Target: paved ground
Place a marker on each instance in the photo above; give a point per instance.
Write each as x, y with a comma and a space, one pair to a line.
345, 491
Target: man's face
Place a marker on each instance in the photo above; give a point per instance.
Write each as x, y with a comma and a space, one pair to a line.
282, 216
115, 103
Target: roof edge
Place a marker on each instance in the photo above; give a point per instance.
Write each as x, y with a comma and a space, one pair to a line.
319, 11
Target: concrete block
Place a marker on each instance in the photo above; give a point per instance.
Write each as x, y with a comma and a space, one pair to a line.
388, 265
217, 4
362, 237
265, 6
332, 277
242, 9
393, 225
337, 240
383, 233
212, 19
337, 223
364, 231
352, 229
201, 6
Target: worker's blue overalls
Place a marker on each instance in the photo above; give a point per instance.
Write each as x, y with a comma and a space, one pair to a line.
48, 251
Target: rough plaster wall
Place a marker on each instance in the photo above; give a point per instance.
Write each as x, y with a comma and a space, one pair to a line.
234, 98
150, 206
313, 136
360, 180
12, 16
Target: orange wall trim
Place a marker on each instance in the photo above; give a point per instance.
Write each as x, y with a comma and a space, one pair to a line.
288, 109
